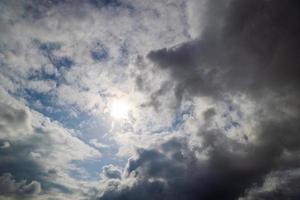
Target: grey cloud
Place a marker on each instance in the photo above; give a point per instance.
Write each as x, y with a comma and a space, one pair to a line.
16, 160
9, 186
249, 48
5, 144
14, 122
209, 113
35, 9
25, 167
279, 185
111, 172
173, 171
155, 101
16, 130
253, 48
183, 62
32, 188
246, 47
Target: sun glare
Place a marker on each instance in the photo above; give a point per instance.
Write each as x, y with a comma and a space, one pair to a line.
119, 109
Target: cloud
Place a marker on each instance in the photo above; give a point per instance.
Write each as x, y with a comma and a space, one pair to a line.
94, 142
243, 55
14, 121
59, 58
217, 168
31, 144
111, 172
5, 145
9, 186
213, 89
247, 51
278, 185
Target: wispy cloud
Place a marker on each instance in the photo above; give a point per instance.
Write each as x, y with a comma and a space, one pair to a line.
210, 89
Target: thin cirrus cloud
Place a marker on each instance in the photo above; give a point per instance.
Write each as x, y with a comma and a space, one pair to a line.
211, 93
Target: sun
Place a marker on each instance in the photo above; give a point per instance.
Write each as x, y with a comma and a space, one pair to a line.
119, 109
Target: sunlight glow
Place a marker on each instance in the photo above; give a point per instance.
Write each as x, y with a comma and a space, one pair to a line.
119, 109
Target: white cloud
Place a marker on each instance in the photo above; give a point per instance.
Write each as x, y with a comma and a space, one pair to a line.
90, 85
41, 86
52, 147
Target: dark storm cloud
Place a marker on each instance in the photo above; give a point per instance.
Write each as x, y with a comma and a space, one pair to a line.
173, 171
254, 47
247, 47
285, 186
182, 62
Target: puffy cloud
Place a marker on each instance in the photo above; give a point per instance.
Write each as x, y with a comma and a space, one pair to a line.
241, 53
69, 57
219, 168
223, 82
42, 86
14, 121
247, 52
9, 186
29, 158
111, 172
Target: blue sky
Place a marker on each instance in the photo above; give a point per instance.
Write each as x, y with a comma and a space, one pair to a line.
67, 65
136, 99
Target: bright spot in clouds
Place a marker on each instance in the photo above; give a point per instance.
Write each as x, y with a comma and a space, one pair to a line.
119, 109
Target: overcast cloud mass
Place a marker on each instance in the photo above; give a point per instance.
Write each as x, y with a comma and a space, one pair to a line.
137, 99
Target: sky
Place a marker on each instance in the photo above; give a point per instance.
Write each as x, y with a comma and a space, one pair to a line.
139, 99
